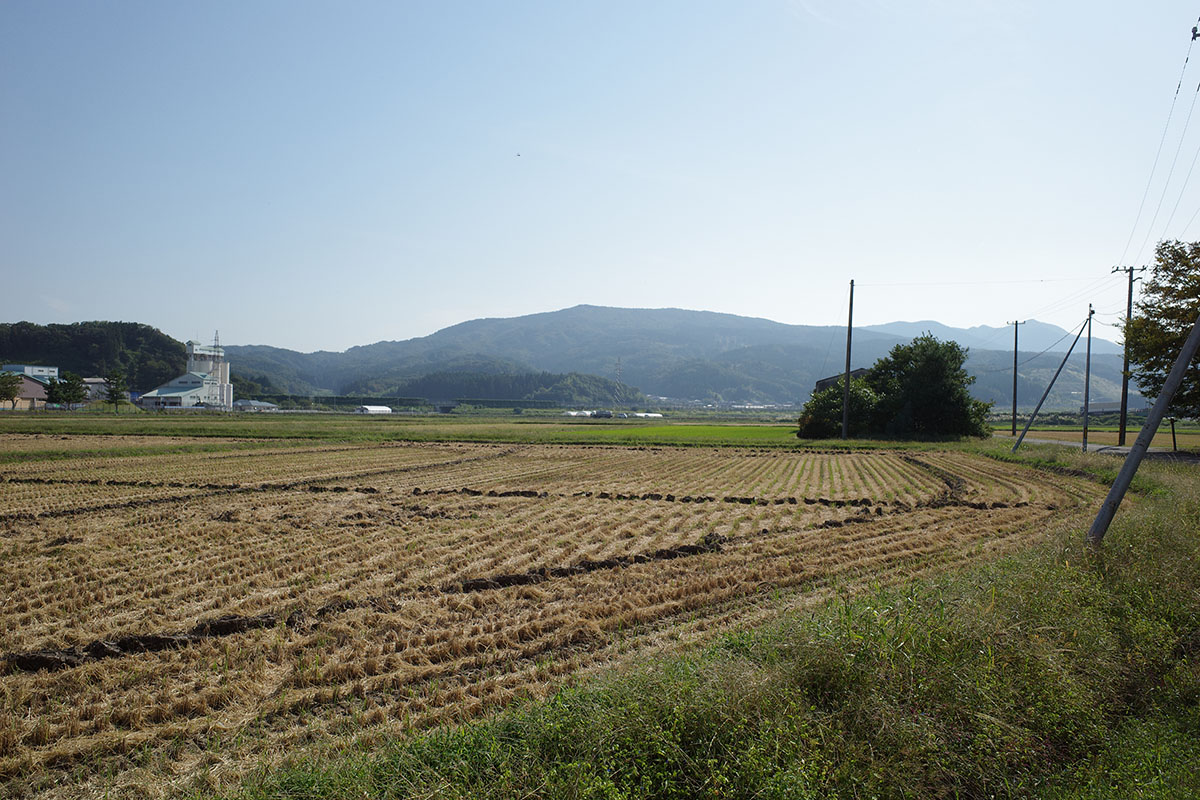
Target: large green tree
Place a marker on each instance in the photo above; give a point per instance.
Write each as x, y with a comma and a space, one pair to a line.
115, 389
918, 389
922, 388
1162, 318
68, 390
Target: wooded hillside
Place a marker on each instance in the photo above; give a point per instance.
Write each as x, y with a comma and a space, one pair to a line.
147, 355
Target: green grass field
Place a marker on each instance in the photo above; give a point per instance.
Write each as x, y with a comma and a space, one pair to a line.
350, 427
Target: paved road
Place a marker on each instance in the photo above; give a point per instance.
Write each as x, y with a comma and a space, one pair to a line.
1159, 453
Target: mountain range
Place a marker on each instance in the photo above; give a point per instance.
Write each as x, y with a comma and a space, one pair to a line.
679, 354
586, 355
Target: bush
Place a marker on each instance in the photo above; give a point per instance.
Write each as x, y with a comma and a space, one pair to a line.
822, 415
919, 389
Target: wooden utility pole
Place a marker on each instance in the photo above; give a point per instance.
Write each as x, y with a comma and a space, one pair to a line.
1087, 379
846, 389
1015, 323
1125, 369
1136, 453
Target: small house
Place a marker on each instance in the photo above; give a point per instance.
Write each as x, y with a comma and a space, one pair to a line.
836, 380
31, 396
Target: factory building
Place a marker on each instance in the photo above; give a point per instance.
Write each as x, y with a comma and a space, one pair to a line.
204, 385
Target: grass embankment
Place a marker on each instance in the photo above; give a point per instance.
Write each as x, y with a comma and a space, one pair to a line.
1056, 673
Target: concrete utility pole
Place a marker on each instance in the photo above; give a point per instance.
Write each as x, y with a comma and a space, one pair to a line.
1087, 379
1136, 453
1046, 393
1125, 369
846, 390
1015, 323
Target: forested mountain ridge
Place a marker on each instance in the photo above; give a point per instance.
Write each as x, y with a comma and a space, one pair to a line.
149, 358
572, 356
543, 387
696, 355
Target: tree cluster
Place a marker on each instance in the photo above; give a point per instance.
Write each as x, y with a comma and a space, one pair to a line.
68, 390
918, 390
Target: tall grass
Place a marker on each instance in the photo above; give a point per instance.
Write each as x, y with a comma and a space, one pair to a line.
1057, 672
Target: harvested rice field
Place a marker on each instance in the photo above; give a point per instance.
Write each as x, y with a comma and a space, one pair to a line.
171, 620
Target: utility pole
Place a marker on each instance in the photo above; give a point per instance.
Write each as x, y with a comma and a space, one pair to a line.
1125, 369
846, 389
1087, 379
1136, 453
1046, 393
1015, 323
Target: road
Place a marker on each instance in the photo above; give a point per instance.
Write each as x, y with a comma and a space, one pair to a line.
1158, 453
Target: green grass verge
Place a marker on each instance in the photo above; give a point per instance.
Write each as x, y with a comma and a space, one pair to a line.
358, 428
1058, 672
435, 428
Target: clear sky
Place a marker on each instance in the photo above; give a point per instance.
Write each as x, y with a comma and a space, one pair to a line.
321, 175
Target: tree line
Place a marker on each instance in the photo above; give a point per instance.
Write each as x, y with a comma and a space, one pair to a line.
145, 356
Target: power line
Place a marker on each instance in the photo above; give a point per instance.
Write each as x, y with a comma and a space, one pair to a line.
977, 283
995, 334
1062, 302
1051, 347
1170, 173
832, 333
1183, 232
1186, 178
1031, 358
1158, 153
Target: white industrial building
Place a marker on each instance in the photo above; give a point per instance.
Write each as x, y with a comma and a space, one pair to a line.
205, 384
37, 372
373, 410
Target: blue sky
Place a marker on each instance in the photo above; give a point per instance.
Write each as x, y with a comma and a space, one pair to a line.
321, 175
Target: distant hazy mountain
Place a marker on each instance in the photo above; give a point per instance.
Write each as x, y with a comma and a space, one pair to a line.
1033, 335
690, 355
675, 353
